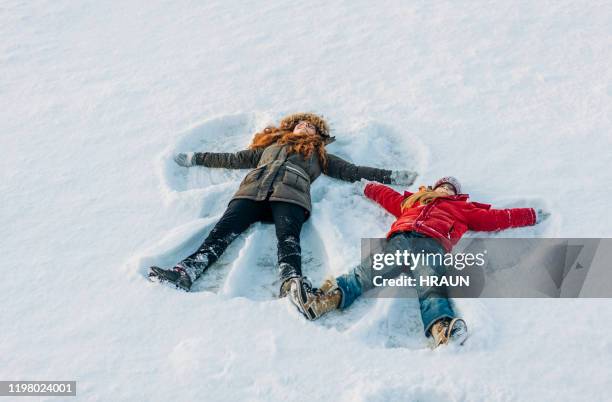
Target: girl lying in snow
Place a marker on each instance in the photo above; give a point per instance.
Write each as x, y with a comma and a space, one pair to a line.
431, 220
284, 162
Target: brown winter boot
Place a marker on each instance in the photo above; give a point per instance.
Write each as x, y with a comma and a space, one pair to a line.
329, 285
323, 300
445, 330
312, 302
328, 298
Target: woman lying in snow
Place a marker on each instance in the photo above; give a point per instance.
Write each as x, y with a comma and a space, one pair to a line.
431, 220
284, 162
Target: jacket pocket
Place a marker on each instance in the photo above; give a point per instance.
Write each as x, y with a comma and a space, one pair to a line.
456, 231
253, 175
296, 179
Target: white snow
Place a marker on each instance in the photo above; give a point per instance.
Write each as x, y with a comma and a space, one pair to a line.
95, 97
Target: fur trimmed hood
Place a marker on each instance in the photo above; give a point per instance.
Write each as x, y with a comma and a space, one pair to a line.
289, 122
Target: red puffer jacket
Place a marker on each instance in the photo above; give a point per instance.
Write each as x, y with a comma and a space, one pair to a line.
446, 218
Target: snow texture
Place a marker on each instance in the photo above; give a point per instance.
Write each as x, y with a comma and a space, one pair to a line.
513, 98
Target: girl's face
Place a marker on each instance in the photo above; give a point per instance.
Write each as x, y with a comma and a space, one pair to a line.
446, 189
304, 127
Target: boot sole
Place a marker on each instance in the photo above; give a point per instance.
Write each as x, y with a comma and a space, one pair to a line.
460, 340
300, 305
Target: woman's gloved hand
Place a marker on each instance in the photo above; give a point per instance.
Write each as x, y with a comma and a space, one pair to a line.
185, 159
403, 177
541, 215
359, 186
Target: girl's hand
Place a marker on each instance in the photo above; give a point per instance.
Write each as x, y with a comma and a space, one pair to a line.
403, 177
541, 215
359, 186
185, 159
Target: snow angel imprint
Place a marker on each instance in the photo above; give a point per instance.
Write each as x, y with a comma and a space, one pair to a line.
432, 221
284, 161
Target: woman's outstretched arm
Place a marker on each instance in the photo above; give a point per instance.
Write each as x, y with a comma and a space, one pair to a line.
386, 197
246, 159
489, 220
344, 170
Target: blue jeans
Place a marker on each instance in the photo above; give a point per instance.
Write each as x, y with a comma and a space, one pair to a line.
433, 300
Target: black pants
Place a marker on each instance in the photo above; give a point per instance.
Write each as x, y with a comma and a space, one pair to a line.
288, 219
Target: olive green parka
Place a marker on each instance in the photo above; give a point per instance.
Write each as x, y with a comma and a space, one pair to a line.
277, 176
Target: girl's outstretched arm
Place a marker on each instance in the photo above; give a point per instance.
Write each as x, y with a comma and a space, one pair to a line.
484, 219
246, 159
387, 197
344, 170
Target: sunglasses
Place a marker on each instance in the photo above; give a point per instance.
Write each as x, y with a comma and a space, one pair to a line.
447, 186
328, 139
307, 124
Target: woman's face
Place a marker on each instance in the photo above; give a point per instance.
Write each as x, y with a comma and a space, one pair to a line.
446, 189
304, 127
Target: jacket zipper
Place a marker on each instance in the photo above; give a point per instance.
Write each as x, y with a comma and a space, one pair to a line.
270, 162
271, 188
418, 222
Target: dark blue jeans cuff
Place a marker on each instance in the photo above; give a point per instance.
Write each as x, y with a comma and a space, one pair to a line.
434, 309
350, 287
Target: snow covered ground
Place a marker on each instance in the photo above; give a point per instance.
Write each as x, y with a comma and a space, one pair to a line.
95, 96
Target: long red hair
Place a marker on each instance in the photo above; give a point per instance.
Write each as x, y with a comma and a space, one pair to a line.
424, 196
304, 144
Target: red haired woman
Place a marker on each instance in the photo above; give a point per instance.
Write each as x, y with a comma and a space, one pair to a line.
285, 160
431, 220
